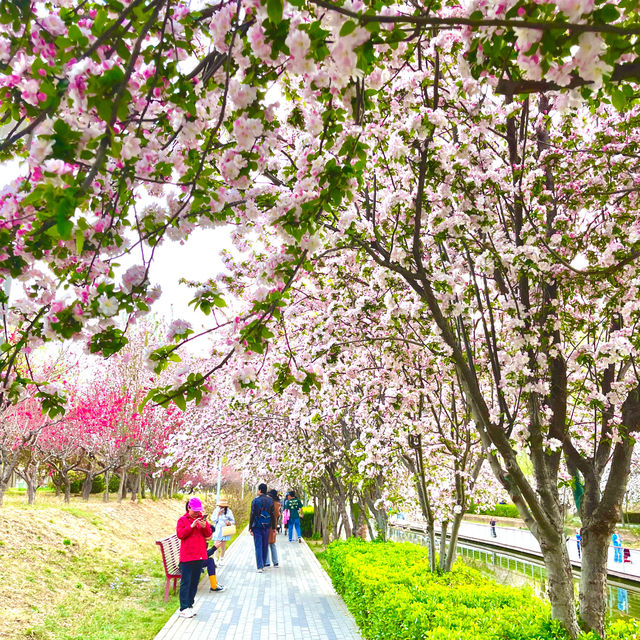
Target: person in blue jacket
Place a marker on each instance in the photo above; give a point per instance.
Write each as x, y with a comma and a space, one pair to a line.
617, 547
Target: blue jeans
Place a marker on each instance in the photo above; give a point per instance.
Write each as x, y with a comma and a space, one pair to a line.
617, 554
294, 523
190, 572
274, 554
261, 544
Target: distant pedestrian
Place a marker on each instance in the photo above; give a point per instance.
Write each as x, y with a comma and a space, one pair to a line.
261, 521
294, 505
626, 554
273, 494
285, 514
617, 547
579, 543
492, 528
223, 517
193, 531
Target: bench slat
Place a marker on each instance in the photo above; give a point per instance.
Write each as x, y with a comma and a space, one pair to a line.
170, 549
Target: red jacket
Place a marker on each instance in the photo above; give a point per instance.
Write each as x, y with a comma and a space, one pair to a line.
193, 544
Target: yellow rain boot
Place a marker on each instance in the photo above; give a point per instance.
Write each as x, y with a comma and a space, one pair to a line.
214, 584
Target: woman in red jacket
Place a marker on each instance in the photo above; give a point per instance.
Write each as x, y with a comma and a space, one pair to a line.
193, 531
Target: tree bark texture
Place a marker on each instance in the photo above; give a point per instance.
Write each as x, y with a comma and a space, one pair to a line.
560, 583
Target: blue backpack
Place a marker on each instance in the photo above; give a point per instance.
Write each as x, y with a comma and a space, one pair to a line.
264, 517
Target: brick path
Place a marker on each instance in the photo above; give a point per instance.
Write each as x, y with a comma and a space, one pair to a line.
294, 601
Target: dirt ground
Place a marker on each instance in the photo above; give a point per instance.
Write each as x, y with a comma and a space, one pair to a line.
39, 544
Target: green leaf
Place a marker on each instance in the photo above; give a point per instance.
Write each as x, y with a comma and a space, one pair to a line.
79, 241
64, 227
348, 27
619, 100
274, 10
180, 402
607, 14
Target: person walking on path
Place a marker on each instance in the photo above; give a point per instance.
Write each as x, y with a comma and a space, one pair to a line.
261, 521
273, 494
193, 530
294, 505
222, 518
492, 528
617, 547
285, 514
579, 543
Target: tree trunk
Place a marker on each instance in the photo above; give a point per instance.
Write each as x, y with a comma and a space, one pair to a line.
31, 478
86, 486
453, 541
593, 580
67, 488
443, 545
107, 478
9, 464
122, 489
134, 486
560, 577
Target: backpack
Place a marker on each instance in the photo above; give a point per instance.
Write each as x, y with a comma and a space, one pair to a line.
264, 517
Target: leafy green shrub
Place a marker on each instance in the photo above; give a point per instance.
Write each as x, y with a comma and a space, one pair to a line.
631, 517
98, 484
76, 481
114, 483
505, 511
306, 522
459, 605
499, 510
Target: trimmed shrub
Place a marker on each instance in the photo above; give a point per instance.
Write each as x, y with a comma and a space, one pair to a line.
306, 522
459, 605
631, 517
503, 511
499, 511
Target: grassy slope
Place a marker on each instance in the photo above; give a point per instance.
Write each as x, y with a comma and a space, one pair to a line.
87, 571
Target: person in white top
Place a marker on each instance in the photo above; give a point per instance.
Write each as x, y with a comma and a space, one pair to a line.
222, 517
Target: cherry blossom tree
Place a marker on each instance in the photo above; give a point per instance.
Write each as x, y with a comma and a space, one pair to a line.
403, 138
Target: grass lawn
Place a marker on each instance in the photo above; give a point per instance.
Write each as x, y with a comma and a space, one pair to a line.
84, 571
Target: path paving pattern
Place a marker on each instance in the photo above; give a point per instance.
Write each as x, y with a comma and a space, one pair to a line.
294, 601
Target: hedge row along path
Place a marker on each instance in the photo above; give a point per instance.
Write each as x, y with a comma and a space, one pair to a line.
294, 601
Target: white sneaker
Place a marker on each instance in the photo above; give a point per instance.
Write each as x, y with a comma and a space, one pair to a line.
187, 613
259, 570
219, 563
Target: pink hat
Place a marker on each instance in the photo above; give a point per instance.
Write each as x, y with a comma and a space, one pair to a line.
195, 504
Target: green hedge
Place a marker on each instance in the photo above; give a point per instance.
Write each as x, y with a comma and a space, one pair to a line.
98, 486
499, 511
631, 517
306, 522
393, 596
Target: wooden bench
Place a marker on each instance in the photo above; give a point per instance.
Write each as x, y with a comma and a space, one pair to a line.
170, 548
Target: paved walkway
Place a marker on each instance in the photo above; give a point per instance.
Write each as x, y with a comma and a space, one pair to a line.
294, 601
524, 540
